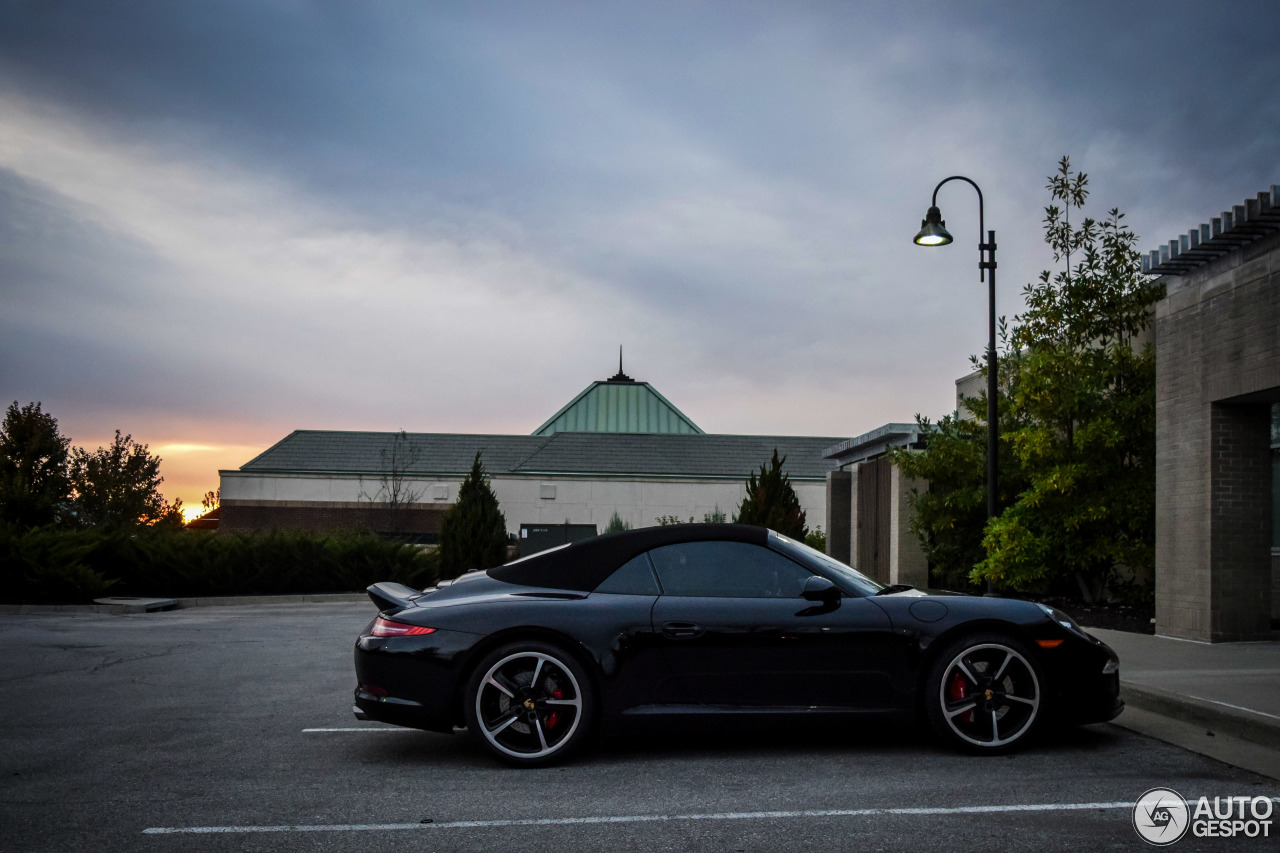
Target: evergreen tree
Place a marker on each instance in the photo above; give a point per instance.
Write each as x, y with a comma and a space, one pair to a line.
616, 524
34, 457
771, 501
473, 533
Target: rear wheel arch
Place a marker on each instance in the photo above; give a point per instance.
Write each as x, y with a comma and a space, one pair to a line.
478, 652
518, 690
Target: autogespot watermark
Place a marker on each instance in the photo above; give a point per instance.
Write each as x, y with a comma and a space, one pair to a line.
1161, 816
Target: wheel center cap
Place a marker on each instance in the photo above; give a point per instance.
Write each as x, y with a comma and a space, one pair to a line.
528, 703
988, 695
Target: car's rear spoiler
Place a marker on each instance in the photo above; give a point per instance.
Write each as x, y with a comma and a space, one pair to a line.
392, 596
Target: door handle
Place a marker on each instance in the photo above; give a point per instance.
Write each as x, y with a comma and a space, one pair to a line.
682, 630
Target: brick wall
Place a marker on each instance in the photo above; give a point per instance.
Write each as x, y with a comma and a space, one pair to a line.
325, 516
1217, 370
1240, 519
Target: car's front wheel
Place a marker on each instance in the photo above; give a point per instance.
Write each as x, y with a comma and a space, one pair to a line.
529, 703
985, 694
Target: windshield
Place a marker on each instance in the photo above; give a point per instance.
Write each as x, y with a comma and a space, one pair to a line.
802, 552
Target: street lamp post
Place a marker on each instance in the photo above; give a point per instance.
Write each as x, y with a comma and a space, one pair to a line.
933, 232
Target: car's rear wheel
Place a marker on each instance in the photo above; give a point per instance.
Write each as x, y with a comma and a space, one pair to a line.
529, 703
985, 694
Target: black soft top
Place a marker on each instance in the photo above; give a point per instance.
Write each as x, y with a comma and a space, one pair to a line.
584, 565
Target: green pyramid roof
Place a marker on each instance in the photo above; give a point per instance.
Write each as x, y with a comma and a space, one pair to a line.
620, 405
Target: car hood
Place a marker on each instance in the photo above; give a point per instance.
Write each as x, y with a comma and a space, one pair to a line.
924, 593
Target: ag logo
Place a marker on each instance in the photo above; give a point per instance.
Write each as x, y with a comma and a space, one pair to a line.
1161, 816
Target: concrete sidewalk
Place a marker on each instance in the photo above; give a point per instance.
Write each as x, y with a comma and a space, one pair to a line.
1220, 700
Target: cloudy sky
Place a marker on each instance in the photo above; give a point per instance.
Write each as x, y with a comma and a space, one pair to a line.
223, 221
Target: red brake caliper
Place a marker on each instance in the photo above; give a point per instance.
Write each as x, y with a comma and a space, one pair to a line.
554, 716
957, 690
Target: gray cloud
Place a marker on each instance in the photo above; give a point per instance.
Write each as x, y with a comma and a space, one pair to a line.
258, 217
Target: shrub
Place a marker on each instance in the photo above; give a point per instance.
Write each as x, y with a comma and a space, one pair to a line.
58, 565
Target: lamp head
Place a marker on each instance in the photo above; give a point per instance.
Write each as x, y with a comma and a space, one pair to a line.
933, 231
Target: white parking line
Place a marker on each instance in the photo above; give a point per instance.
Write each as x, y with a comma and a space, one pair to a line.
639, 818
360, 729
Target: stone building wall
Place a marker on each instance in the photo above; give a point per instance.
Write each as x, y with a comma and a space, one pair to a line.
1217, 374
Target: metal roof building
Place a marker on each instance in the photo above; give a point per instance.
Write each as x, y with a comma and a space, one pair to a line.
620, 404
619, 446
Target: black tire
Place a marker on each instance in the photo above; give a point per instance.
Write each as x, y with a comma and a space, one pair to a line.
985, 694
529, 703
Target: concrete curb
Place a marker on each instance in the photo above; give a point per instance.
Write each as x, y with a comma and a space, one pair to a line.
184, 603
1235, 722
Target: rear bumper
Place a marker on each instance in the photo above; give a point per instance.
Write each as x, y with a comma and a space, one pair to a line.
412, 681
398, 712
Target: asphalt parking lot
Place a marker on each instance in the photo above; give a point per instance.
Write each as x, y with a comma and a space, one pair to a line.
229, 728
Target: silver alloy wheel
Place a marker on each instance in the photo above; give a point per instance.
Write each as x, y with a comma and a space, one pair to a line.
521, 702
988, 687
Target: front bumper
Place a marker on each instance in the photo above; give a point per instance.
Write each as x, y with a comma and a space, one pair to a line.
1086, 684
1098, 705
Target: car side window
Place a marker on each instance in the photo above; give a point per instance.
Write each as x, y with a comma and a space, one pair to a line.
727, 570
633, 577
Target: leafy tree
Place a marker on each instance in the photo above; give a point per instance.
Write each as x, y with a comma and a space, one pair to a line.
771, 501
34, 458
949, 516
616, 524
817, 540
1086, 395
119, 485
1077, 420
473, 533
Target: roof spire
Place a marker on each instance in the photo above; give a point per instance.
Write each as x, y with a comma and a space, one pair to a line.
620, 377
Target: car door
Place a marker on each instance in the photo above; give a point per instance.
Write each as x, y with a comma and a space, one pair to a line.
736, 631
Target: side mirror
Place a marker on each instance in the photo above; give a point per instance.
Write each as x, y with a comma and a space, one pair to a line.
819, 588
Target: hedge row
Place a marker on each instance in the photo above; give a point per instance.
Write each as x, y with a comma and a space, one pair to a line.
53, 565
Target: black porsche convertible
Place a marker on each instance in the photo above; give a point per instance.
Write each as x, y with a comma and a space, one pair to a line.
699, 621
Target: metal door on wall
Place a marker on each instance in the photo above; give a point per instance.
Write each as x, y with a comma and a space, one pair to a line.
540, 537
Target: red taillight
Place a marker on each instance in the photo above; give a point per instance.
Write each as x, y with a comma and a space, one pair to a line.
384, 627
